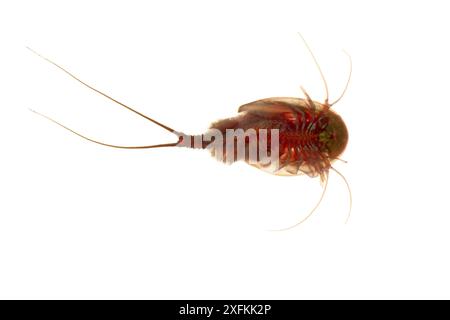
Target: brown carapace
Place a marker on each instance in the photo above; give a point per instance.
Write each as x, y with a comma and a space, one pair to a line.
311, 136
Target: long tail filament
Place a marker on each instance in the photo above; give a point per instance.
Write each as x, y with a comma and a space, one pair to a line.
114, 100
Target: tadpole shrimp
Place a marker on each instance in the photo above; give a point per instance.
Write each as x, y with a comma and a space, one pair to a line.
310, 136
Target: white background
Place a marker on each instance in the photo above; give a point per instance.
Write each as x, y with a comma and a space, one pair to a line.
78, 220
